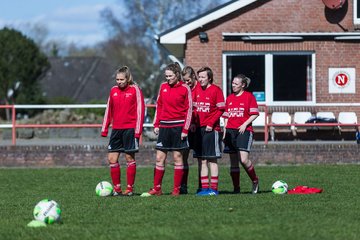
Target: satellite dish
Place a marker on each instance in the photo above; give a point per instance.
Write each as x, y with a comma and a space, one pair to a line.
334, 4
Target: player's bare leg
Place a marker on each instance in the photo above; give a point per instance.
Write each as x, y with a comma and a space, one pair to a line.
250, 170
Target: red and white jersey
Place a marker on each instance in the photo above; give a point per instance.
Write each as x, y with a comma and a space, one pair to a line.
194, 88
209, 106
174, 106
194, 118
125, 109
239, 108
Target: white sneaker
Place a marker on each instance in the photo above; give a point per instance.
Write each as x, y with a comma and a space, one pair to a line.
255, 187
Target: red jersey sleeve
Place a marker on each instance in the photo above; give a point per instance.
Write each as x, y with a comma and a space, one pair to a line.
107, 118
140, 112
158, 108
253, 106
188, 100
220, 107
194, 116
226, 111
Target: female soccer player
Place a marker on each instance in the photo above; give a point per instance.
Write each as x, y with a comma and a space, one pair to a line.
171, 124
209, 107
125, 111
241, 110
190, 78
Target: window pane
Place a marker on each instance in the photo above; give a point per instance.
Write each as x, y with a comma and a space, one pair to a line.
252, 67
292, 77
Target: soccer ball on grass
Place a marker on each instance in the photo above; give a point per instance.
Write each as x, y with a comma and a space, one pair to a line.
47, 211
104, 189
279, 187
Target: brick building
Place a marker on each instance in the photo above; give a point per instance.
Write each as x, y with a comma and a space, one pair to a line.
300, 54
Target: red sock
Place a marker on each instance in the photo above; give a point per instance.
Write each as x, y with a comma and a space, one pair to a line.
184, 180
235, 177
251, 172
214, 182
115, 176
178, 174
204, 182
158, 176
130, 174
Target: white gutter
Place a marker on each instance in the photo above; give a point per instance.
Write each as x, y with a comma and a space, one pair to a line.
291, 36
262, 38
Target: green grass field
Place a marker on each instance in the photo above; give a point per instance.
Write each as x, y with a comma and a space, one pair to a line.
333, 214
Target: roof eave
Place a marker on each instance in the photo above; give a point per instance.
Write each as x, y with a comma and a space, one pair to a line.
178, 35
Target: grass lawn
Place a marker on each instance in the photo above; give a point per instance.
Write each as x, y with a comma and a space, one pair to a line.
333, 214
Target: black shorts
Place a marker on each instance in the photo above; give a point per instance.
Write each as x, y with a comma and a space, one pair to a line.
169, 139
208, 144
123, 140
235, 142
192, 139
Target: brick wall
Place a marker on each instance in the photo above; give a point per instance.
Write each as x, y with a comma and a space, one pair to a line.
93, 155
282, 16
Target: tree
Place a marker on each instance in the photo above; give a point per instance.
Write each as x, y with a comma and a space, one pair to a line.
39, 33
21, 65
132, 39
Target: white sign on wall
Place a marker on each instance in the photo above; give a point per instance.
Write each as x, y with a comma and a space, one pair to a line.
342, 80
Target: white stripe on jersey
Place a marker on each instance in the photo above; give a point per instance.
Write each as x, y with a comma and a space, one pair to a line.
139, 104
190, 106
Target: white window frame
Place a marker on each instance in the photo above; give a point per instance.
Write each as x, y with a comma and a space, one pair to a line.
269, 77
356, 17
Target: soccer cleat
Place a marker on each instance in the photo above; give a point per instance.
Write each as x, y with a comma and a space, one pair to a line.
236, 190
183, 189
175, 192
255, 187
203, 192
207, 192
213, 192
152, 192
128, 193
115, 193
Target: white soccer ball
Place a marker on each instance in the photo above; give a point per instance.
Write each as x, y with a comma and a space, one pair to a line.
279, 187
104, 189
47, 211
